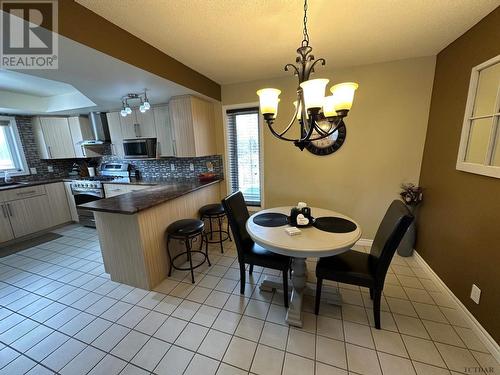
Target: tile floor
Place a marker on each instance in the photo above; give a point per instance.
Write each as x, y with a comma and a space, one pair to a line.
60, 313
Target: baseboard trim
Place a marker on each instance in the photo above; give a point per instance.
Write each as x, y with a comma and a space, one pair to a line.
483, 335
364, 242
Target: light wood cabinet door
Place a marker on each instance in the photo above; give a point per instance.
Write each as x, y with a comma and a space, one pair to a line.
58, 202
29, 215
129, 126
115, 132
57, 137
112, 190
203, 127
163, 131
71, 201
80, 130
181, 118
145, 124
6, 232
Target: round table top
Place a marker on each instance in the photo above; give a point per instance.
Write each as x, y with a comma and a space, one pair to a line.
311, 242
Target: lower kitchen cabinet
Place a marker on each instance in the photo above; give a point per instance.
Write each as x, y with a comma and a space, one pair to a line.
6, 233
71, 202
112, 190
29, 215
59, 211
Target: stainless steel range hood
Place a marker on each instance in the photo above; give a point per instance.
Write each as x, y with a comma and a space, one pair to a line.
100, 129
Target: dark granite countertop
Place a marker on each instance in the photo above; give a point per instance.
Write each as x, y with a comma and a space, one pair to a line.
131, 203
18, 185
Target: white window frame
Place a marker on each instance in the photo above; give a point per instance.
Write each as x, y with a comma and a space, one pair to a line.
486, 168
261, 149
18, 147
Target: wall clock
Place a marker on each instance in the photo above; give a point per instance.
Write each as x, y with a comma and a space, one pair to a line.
328, 145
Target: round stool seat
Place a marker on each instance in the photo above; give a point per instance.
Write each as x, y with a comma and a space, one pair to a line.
185, 227
212, 209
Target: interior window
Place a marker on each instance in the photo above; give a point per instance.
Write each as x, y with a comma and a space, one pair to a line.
12, 157
244, 153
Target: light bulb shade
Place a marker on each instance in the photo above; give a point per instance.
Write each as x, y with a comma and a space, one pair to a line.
314, 92
343, 95
329, 106
142, 108
123, 112
268, 99
128, 110
146, 105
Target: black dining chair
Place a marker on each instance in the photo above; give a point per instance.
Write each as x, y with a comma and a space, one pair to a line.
248, 251
368, 270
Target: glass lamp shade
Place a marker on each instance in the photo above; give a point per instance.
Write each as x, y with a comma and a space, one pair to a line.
329, 106
123, 113
343, 95
268, 99
142, 108
128, 110
314, 92
146, 105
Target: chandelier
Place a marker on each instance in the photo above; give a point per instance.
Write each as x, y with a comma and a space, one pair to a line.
143, 99
319, 116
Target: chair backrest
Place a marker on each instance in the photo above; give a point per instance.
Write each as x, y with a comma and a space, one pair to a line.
237, 215
390, 232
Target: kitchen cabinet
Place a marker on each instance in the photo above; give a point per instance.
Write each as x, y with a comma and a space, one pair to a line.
71, 202
53, 138
59, 212
138, 125
193, 126
164, 139
6, 233
115, 132
81, 130
29, 215
112, 190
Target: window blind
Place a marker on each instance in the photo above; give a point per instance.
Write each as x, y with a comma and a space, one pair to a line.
244, 153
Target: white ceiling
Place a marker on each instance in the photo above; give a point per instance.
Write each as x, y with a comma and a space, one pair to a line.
242, 40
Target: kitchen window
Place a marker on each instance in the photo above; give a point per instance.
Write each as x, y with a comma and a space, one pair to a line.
244, 153
12, 159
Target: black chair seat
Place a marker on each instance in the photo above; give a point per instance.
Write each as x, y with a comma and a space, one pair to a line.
351, 267
185, 227
212, 209
262, 257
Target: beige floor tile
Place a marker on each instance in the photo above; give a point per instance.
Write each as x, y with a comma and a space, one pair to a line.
471, 340
301, 343
425, 369
443, 333
362, 360
214, 344
206, 315
389, 342
274, 335
400, 306
201, 365
170, 329
174, 362
150, 354
419, 295
267, 361
457, 359
429, 312
225, 369
330, 327
358, 334
322, 369
392, 364
191, 337
410, 326
295, 365
240, 353
354, 314
487, 362
227, 321
331, 352
423, 351
455, 316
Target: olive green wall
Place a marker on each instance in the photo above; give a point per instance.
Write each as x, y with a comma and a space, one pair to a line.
385, 138
459, 221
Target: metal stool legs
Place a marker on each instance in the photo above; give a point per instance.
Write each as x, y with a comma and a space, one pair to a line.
189, 253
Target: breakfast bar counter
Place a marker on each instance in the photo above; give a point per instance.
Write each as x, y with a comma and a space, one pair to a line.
132, 226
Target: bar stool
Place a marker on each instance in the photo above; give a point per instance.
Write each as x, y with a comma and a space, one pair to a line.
187, 230
215, 212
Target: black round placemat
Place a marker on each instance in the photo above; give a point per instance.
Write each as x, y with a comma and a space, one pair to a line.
334, 224
271, 219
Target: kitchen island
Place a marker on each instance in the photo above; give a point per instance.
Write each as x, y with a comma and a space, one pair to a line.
132, 228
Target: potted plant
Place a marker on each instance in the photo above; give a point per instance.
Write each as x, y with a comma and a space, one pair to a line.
412, 196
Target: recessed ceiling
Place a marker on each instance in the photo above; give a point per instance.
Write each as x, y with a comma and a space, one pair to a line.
232, 41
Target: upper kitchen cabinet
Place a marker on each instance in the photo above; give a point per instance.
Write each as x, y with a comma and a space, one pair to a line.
138, 125
81, 130
163, 131
115, 132
193, 126
53, 138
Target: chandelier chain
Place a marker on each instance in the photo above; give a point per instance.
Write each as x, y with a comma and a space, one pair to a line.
305, 41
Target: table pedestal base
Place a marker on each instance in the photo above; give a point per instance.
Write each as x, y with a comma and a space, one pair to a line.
299, 289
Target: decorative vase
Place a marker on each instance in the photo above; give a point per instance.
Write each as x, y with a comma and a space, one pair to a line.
405, 248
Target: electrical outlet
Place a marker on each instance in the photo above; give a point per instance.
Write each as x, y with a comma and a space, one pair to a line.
50, 168
172, 167
210, 166
33, 170
191, 167
475, 293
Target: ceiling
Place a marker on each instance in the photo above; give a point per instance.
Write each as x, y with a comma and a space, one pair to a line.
234, 40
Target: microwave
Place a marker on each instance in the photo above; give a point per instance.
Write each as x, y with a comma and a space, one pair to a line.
141, 148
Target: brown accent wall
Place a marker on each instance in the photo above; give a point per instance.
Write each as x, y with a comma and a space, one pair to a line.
86, 27
459, 222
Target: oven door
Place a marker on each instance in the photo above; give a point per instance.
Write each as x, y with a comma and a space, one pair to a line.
139, 148
86, 217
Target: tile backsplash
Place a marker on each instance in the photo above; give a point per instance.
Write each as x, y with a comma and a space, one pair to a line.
164, 168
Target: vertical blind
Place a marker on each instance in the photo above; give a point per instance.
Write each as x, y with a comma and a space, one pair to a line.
244, 153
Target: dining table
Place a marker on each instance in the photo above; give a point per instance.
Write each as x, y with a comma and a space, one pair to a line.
336, 234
